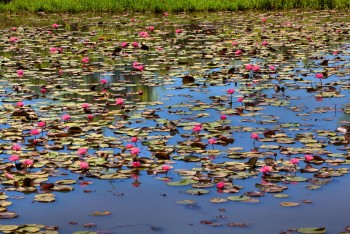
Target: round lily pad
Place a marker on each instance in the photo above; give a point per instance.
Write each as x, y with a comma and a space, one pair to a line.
238, 198
312, 230
178, 183
218, 200
8, 228
289, 204
45, 197
281, 195
8, 215
197, 191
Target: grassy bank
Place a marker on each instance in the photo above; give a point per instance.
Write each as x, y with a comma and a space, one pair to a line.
166, 5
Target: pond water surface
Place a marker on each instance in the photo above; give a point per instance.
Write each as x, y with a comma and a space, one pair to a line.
192, 63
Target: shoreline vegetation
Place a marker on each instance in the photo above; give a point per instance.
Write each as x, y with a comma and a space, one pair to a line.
158, 6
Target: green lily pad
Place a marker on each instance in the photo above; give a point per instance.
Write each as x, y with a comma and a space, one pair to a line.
66, 182
7, 228
218, 200
45, 197
178, 183
281, 195
238, 198
296, 179
186, 202
197, 191
312, 230
289, 204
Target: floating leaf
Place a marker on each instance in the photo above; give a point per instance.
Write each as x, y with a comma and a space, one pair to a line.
296, 179
28, 229
99, 213
8, 215
218, 200
178, 183
312, 230
186, 202
8, 228
289, 204
197, 191
45, 197
66, 182
62, 188
238, 198
281, 195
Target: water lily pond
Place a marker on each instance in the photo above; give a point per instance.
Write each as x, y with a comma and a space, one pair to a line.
175, 123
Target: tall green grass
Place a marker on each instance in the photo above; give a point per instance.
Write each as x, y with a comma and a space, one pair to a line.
165, 5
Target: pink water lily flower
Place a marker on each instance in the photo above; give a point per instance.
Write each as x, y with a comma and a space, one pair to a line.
41, 124
249, 67
264, 43
16, 147
82, 151
85, 105
55, 26
212, 141
136, 164
254, 136
19, 104
230, 91
84, 165
223, 117
166, 167
319, 75
135, 44
124, 44
197, 128
134, 139
272, 68
256, 68
66, 117
20, 73
308, 157
119, 101
13, 39
135, 151
53, 50
151, 28
220, 185
129, 146
34, 132
14, 158
137, 66
265, 169
178, 31
103, 81
294, 161
143, 34
85, 60
28, 162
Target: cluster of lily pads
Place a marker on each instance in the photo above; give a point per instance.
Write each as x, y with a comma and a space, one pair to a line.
80, 96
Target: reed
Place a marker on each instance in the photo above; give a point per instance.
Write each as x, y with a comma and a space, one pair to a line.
165, 5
